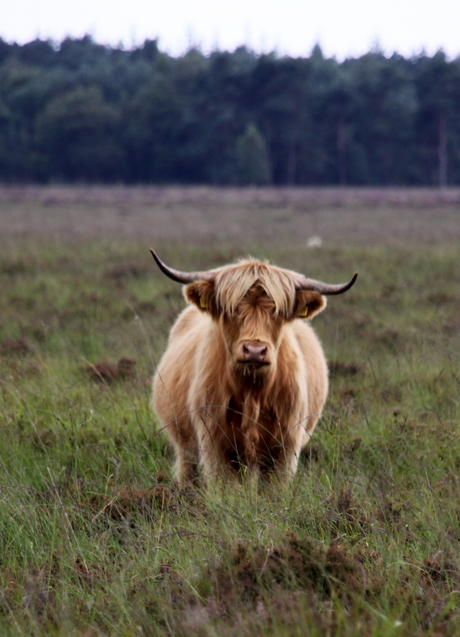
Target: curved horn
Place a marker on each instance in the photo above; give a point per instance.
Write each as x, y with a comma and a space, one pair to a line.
325, 288
181, 277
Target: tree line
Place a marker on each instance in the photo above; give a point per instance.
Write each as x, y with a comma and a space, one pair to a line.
79, 111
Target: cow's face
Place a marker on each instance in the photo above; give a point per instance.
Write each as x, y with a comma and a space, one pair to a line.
252, 331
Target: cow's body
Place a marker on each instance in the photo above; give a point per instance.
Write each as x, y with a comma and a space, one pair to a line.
244, 379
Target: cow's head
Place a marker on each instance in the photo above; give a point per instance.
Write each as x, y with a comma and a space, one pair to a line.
252, 302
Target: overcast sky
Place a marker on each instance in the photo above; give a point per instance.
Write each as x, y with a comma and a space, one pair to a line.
343, 28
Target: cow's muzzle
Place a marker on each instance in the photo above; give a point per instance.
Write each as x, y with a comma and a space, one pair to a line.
253, 353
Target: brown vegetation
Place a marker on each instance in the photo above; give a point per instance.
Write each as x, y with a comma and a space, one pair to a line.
153, 215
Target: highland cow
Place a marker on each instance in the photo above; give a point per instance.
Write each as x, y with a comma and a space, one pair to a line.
244, 379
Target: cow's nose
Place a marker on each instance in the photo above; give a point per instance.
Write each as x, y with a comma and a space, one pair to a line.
254, 352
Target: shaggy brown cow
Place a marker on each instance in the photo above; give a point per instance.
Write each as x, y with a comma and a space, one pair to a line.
244, 379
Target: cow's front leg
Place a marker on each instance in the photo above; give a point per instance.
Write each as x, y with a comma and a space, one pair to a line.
187, 464
208, 444
283, 458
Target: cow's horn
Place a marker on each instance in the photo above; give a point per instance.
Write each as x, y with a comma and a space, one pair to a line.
325, 288
181, 277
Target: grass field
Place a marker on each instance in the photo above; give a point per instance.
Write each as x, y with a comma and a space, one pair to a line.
95, 539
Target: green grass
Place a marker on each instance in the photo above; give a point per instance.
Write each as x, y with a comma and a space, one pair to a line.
95, 539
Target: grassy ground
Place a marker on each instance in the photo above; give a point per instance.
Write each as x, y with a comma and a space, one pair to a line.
94, 537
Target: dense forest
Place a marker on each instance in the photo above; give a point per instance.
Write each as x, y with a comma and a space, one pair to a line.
79, 111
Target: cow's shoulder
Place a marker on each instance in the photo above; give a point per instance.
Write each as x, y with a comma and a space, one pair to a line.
306, 338
189, 322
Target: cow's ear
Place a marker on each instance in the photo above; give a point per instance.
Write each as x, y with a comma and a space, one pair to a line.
308, 304
202, 294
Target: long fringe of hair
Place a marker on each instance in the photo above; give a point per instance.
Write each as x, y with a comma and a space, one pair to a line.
233, 283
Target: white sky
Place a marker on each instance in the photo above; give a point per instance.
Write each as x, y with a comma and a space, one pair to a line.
341, 27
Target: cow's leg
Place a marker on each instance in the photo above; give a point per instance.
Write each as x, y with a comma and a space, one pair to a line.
209, 437
187, 462
209, 461
287, 465
289, 458
281, 461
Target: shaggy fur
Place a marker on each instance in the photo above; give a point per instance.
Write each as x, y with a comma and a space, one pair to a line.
221, 414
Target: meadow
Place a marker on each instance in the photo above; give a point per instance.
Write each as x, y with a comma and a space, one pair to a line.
95, 537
